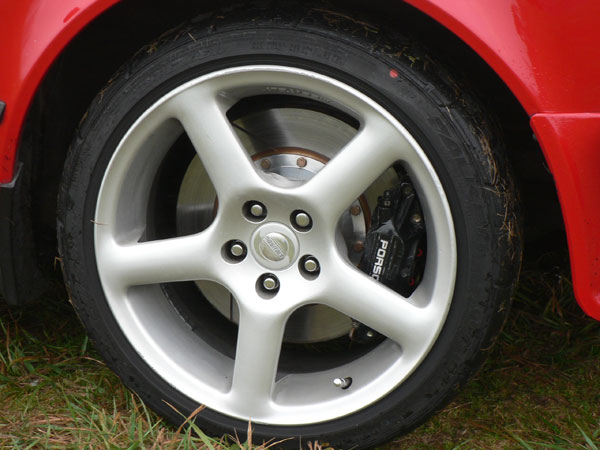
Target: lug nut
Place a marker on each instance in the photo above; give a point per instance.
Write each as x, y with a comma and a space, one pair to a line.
257, 210
237, 249
416, 218
302, 220
342, 383
254, 211
301, 162
270, 283
234, 251
310, 264
267, 285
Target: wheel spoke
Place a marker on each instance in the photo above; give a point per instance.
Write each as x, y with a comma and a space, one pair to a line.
372, 303
168, 260
227, 162
374, 149
258, 346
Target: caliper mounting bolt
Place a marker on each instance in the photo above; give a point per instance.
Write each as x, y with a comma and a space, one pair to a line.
355, 210
416, 218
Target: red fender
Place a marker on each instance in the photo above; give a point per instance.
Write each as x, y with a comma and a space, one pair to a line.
571, 143
33, 33
545, 50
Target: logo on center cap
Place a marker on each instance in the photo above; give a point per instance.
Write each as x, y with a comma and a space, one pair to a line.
274, 246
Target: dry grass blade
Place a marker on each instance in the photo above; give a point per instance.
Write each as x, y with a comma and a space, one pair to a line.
249, 439
189, 418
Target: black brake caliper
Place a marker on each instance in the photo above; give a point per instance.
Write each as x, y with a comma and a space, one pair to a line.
394, 249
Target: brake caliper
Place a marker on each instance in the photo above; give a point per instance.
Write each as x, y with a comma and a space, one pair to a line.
394, 249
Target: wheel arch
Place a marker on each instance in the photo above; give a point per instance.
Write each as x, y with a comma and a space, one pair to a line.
102, 41
35, 34
73, 63
38, 34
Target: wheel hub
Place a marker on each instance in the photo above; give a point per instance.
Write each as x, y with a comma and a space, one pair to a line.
274, 246
285, 167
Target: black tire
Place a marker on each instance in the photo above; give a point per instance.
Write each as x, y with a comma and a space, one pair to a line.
447, 122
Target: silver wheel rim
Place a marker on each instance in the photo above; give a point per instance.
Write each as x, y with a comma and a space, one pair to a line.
248, 386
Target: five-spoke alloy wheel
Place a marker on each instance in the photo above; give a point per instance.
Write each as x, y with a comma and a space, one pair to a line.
215, 218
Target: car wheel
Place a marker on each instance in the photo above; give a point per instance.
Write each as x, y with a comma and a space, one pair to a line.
289, 222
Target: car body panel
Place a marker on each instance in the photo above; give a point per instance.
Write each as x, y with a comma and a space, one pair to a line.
33, 33
545, 52
571, 144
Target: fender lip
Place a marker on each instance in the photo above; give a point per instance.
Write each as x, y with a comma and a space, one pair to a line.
34, 33
11, 184
570, 144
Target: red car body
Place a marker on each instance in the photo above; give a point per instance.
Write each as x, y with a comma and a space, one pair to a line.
546, 52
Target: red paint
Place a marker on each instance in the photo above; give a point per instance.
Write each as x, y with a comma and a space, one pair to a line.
546, 51
571, 143
32, 33
71, 14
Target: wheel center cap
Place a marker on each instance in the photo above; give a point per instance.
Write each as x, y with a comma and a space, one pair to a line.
274, 246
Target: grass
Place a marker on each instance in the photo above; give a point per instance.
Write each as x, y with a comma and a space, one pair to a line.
540, 388
56, 393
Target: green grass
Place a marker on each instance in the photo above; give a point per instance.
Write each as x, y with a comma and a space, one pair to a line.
540, 388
